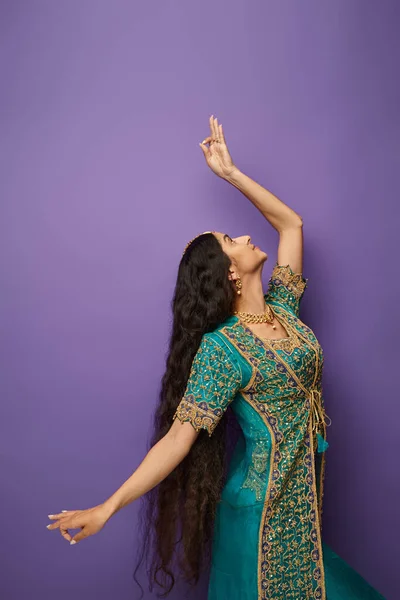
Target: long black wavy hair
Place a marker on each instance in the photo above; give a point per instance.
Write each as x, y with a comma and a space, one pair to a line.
177, 516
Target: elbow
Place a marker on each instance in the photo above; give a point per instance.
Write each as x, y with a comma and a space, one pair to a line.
183, 435
299, 221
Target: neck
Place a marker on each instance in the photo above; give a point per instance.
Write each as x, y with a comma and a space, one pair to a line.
251, 300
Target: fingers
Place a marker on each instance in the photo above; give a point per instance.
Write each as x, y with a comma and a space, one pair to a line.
214, 128
71, 524
207, 140
64, 523
221, 135
217, 135
204, 148
65, 533
63, 520
63, 513
78, 537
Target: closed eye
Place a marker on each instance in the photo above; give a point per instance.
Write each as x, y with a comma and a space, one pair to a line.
228, 237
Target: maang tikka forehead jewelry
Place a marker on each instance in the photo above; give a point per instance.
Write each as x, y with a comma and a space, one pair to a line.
188, 244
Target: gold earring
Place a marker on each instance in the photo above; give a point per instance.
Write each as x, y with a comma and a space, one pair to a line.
238, 283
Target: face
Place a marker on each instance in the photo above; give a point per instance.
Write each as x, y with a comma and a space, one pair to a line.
245, 257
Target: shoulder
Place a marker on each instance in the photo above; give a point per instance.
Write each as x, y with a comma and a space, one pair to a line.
286, 288
211, 345
283, 276
225, 338
214, 342
217, 349
216, 358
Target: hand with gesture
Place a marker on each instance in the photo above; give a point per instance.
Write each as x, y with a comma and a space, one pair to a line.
90, 521
216, 153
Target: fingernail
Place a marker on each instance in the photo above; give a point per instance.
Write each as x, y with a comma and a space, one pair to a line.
50, 516
47, 526
72, 542
64, 511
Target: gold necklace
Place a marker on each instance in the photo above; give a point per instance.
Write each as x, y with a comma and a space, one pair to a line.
266, 317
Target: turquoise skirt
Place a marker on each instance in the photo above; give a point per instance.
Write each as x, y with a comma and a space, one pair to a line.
234, 569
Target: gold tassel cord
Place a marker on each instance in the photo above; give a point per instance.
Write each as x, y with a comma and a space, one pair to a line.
318, 414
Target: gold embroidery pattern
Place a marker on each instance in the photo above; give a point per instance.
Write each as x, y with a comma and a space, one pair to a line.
286, 287
213, 382
306, 334
257, 471
290, 551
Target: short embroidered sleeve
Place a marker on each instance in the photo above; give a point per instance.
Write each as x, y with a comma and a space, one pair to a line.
286, 288
213, 382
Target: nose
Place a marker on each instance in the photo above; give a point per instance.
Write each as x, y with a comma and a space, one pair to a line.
243, 239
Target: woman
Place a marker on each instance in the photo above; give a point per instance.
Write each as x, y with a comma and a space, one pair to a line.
237, 351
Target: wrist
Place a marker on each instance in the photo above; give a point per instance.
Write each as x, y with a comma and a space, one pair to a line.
110, 507
233, 176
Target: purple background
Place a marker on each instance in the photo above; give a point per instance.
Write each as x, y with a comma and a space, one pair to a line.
103, 183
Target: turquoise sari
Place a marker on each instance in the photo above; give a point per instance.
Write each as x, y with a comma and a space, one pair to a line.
267, 535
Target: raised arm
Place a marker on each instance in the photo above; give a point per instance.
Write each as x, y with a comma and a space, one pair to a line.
282, 218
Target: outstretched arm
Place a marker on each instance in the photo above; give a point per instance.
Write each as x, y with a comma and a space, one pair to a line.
158, 463
161, 460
